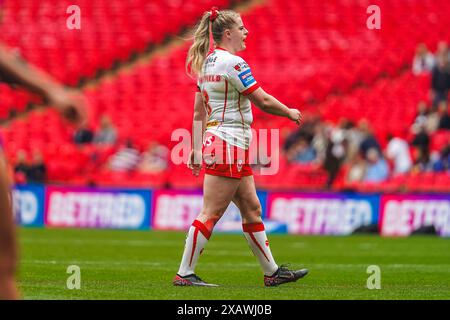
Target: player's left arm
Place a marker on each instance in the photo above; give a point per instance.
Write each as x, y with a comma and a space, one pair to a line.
68, 101
271, 105
240, 76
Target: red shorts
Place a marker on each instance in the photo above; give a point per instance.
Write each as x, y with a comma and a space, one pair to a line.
222, 159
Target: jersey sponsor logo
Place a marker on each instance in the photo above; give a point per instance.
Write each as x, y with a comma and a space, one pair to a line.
212, 123
246, 78
240, 66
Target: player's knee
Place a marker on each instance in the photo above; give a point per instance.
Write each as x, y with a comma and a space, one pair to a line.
213, 216
256, 212
253, 215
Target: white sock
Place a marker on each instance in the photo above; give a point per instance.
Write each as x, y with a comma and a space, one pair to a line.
196, 240
257, 240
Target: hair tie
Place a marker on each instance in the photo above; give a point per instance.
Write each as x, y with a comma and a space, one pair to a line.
213, 14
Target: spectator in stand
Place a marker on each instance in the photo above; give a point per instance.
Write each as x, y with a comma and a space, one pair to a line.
421, 117
319, 141
423, 60
443, 163
442, 49
21, 167
338, 137
125, 159
305, 131
368, 141
83, 135
440, 79
38, 171
432, 123
422, 140
301, 152
353, 138
334, 156
422, 162
357, 169
444, 118
397, 150
377, 168
155, 159
107, 134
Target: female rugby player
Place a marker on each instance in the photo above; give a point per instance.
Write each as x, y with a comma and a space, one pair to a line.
225, 89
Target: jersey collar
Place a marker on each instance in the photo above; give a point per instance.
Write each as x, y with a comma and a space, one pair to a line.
220, 48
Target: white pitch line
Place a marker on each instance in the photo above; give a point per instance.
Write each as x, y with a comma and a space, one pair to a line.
130, 263
136, 243
440, 267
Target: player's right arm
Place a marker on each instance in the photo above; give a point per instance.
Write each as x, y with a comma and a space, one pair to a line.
16, 71
198, 128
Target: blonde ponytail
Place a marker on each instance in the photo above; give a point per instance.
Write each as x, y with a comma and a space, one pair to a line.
198, 51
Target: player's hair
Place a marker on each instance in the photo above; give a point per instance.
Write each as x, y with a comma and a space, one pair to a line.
221, 20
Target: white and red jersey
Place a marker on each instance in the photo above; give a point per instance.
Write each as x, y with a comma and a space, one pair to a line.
225, 82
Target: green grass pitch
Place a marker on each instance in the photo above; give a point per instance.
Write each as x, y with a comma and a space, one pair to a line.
117, 264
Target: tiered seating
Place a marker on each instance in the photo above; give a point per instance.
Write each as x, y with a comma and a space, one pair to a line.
111, 30
312, 49
438, 182
14, 101
293, 176
390, 104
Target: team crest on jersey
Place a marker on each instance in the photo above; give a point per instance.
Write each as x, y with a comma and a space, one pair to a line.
240, 163
210, 160
240, 66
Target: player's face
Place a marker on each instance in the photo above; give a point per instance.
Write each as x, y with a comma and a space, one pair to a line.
238, 34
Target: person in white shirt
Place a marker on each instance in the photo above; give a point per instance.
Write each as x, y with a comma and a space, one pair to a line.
397, 150
225, 89
423, 60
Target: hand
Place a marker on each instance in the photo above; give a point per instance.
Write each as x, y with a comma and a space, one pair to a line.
295, 115
70, 103
195, 162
